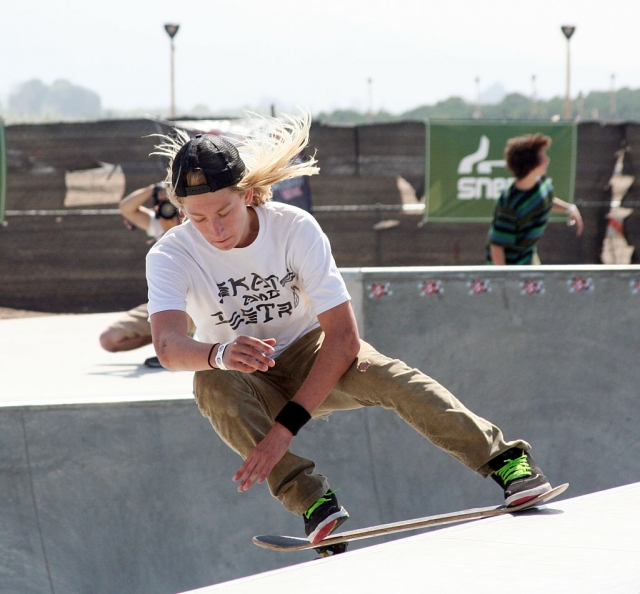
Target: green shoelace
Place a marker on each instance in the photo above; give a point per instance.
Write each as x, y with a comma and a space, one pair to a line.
514, 469
317, 504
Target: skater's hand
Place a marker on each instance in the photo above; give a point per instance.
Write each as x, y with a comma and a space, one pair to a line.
249, 354
263, 457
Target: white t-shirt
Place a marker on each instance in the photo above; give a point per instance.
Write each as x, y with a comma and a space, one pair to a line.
274, 288
154, 229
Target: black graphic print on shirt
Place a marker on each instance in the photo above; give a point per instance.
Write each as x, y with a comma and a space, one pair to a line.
263, 299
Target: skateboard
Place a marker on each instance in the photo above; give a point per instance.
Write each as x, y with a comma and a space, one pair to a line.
337, 543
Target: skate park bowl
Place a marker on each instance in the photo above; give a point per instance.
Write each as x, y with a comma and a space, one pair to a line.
112, 481
580, 544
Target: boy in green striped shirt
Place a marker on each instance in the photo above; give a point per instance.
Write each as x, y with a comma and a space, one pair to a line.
522, 211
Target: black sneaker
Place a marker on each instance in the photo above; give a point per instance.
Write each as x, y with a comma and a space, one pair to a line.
153, 363
519, 476
323, 517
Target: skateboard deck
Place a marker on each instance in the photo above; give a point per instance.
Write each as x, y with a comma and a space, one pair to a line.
292, 543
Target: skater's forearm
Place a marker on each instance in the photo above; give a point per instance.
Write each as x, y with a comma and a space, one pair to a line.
173, 345
178, 351
339, 348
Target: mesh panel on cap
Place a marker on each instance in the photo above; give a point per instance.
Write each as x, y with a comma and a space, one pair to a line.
217, 158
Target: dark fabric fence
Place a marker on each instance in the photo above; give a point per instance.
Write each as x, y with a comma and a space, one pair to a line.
63, 262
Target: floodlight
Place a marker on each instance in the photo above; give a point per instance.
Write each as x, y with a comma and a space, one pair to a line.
568, 30
171, 29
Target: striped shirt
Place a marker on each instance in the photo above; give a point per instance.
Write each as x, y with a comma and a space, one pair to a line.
519, 221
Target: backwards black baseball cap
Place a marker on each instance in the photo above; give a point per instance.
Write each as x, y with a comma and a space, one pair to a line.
218, 159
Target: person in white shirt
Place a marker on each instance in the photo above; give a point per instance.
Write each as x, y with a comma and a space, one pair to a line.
132, 329
277, 338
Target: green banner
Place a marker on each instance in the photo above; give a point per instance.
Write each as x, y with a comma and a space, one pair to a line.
3, 173
466, 171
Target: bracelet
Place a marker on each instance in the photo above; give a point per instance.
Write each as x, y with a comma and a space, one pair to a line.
293, 416
219, 362
572, 208
213, 346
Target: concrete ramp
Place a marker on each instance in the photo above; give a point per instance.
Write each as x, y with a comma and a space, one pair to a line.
58, 360
586, 545
111, 481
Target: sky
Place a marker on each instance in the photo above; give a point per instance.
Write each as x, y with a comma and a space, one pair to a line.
333, 54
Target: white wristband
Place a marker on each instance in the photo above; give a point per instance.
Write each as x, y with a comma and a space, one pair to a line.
219, 354
572, 208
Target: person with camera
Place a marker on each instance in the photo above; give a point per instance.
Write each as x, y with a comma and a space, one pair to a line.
154, 221
132, 330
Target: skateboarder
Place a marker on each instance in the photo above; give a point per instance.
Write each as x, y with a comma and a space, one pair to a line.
522, 211
277, 338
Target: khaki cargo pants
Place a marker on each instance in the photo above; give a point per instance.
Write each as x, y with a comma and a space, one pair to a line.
242, 408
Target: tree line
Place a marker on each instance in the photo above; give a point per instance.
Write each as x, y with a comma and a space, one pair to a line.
62, 100
623, 105
34, 100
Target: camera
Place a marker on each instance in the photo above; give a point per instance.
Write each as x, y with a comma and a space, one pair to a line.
164, 210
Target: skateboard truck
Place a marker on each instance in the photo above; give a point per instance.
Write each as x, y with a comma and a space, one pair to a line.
334, 549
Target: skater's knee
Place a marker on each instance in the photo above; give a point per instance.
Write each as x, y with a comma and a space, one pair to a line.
216, 391
115, 340
109, 340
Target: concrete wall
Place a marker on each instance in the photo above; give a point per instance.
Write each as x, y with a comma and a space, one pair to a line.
138, 498
555, 366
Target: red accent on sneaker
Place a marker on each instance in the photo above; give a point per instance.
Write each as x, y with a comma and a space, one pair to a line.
522, 500
324, 532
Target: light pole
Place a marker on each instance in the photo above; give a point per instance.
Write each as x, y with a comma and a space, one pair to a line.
568, 31
533, 96
370, 99
477, 114
171, 30
612, 97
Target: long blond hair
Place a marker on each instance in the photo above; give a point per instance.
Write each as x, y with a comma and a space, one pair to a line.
269, 155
